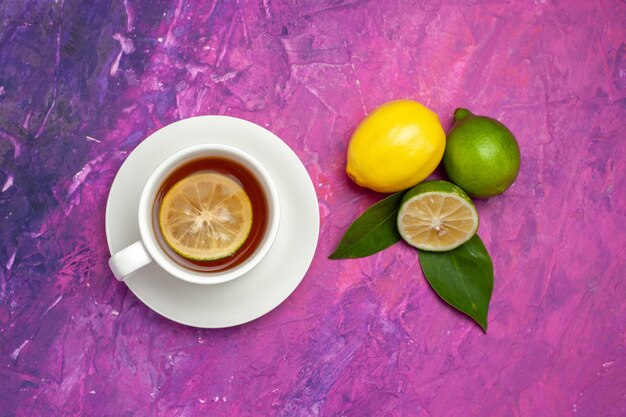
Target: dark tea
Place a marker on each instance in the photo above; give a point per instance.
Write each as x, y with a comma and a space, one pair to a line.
230, 175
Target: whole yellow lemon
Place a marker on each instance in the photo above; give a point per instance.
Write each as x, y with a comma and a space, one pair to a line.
395, 147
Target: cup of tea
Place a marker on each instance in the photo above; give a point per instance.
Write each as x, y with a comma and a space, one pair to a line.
207, 215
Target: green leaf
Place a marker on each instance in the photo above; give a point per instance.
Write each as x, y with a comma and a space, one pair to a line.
462, 277
372, 232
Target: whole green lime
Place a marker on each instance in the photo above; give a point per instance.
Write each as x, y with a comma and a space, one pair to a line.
482, 156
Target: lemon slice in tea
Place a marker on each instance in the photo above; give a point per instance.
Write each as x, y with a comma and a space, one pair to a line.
437, 216
206, 216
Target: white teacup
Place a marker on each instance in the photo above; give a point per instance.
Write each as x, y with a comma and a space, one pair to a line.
148, 250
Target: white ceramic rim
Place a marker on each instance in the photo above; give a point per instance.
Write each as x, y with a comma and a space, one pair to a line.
152, 186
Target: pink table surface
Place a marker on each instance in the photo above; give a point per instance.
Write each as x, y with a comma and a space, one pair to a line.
82, 84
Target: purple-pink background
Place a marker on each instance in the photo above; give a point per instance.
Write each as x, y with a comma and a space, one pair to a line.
82, 83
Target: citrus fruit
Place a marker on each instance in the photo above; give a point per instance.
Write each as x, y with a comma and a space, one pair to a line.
395, 147
205, 216
437, 216
482, 156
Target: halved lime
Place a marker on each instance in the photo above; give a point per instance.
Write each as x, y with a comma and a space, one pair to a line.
437, 216
205, 216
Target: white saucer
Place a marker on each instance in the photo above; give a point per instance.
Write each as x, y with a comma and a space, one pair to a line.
273, 279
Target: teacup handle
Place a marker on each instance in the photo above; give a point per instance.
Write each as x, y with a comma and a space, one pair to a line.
128, 260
